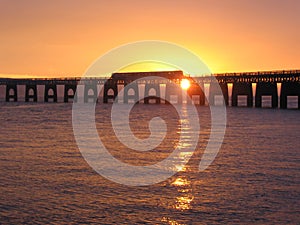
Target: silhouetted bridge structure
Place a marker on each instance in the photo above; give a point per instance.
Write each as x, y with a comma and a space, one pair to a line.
253, 86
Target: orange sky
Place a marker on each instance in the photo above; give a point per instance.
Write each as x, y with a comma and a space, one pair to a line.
63, 37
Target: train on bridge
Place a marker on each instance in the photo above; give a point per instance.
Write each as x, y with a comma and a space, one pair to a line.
158, 87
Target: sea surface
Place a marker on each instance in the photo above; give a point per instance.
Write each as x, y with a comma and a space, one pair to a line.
44, 179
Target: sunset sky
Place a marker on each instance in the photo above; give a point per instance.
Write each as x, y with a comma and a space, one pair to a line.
63, 37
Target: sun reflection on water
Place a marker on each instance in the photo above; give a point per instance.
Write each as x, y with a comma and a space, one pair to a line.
180, 181
185, 196
183, 203
170, 221
180, 168
185, 148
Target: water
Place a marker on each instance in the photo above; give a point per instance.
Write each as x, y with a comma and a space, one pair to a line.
44, 178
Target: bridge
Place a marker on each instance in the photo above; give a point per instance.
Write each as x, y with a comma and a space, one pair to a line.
252, 86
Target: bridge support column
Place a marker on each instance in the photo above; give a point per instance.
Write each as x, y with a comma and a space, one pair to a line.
28, 95
242, 89
147, 95
47, 96
68, 96
289, 89
135, 96
218, 89
87, 95
196, 90
266, 89
110, 85
173, 89
11, 88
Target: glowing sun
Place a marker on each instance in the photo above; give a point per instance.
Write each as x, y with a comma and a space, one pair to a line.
185, 84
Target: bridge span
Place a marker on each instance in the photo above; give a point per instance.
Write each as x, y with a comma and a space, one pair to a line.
278, 86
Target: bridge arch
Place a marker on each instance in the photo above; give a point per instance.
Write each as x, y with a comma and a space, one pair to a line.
90, 92
149, 94
50, 92
70, 92
110, 91
11, 93
31, 93
152, 92
131, 91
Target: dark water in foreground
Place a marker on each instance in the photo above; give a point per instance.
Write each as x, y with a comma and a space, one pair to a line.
44, 179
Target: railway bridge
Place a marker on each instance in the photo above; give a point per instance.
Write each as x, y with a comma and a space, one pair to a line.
253, 86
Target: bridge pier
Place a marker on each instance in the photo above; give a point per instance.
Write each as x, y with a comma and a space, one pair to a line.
175, 90
135, 96
48, 88
289, 89
239, 88
68, 96
196, 90
11, 92
28, 95
218, 89
88, 88
2, 92
110, 85
263, 89
155, 97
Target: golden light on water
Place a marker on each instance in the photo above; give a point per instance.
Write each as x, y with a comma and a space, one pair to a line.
180, 182
170, 221
185, 84
184, 202
180, 168
185, 196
